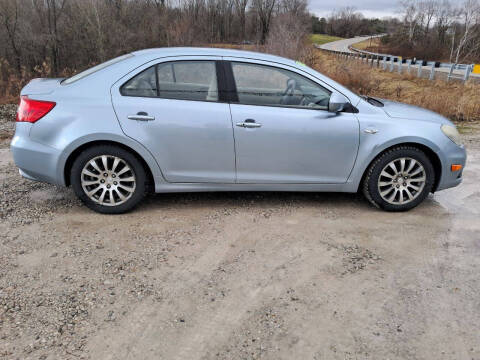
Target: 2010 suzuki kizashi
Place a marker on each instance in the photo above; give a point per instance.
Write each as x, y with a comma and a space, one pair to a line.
188, 119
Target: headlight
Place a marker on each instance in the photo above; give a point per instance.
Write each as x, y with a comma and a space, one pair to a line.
452, 133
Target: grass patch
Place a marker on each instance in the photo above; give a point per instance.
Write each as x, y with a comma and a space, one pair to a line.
465, 129
371, 44
321, 39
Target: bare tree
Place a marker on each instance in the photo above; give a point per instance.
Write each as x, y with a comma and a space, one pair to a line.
470, 15
264, 10
410, 17
428, 9
240, 9
9, 15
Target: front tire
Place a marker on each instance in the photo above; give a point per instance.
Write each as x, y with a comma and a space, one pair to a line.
108, 179
399, 179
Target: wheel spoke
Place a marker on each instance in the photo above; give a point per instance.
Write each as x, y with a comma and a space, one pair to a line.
123, 171
411, 166
105, 162
120, 195
89, 183
409, 194
128, 179
102, 195
416, 188
386, 192
115, 163
89, 173
126, 188
95, 165
393, 166
402, 165
418, 171
384, 173
401, 197
420, 179
112, 198
93, 191
385, 183
393, 196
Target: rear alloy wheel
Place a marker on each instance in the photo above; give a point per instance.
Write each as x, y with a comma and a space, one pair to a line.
399, 179
108, 179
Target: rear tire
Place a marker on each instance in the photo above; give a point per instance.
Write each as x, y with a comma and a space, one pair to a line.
108, 179
399, 179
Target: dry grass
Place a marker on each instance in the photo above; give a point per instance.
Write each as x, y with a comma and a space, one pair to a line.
454, 100
371, 44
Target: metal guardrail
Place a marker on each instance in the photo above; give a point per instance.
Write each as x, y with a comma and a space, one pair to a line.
390, 62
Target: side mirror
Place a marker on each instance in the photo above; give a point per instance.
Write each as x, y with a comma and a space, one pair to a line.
337, 102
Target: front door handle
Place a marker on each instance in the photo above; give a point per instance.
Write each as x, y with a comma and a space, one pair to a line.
141, 116
370, 131
249, 123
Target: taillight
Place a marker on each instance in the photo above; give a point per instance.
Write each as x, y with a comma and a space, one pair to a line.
33, 110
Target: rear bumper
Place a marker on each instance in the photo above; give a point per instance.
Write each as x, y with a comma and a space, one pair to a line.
35, 161
454, 155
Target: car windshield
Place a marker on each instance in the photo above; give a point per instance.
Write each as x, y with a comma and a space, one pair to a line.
95, 69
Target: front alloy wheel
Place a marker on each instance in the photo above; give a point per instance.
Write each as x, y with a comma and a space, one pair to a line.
108, 179
399, 179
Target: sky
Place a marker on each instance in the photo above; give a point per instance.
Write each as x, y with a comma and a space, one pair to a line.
369, 8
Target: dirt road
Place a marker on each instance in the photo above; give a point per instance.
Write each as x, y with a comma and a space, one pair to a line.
239, 276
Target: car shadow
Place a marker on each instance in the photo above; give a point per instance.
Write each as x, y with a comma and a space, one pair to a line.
268, 199
255, 199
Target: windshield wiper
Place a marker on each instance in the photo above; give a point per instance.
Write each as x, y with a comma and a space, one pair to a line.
373, 101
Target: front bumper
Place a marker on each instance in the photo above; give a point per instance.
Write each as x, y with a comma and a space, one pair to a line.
35, 161
453, 154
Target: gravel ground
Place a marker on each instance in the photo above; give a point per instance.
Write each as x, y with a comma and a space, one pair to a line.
238, 275
7, 123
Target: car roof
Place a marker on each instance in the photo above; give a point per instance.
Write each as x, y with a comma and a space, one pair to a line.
141, 58
209, 51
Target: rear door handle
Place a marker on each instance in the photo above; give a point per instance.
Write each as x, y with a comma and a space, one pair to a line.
141, 116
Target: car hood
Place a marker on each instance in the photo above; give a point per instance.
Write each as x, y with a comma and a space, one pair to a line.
403, 111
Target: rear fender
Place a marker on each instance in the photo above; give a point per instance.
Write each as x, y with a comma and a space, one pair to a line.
106, 137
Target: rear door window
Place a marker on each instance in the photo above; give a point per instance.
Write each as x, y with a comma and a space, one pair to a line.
188, 80
180, 80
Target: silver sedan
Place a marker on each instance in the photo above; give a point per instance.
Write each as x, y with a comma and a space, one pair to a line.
188, 119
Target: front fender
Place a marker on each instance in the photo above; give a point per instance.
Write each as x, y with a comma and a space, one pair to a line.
370, 150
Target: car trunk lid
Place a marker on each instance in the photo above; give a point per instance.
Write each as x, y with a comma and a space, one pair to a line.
41, 86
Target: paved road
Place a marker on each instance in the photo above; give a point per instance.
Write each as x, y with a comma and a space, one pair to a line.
440, 73
342, 45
